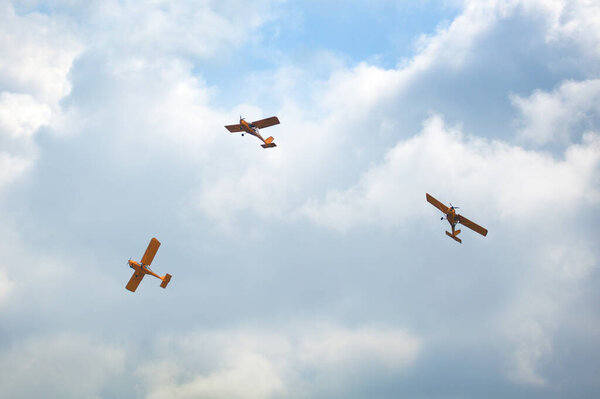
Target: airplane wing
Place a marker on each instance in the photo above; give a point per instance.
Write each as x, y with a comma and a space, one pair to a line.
473, 226
234, 128
135, 280
266, 122
437, 203
150, 251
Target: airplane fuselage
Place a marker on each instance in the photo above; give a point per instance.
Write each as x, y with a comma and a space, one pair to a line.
142, 268
251, 129
451, 218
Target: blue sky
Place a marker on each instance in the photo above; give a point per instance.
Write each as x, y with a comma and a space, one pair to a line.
315, 269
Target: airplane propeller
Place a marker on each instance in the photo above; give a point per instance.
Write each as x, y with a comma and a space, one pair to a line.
454, 207
242, 119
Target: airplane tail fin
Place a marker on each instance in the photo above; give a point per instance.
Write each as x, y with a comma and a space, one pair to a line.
165, 280
269, 143
454, 237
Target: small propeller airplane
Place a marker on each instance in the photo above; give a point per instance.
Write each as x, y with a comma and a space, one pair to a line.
142, 268
453, 218
252, 128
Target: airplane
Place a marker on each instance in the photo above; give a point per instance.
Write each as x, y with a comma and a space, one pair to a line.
252, 128
142, 268
453, 218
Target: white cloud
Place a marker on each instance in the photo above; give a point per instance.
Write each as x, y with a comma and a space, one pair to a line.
250, 376
462, 48
11, 167
5, 286
362, 108
576, 22
161, 29
506, 188
549, 117
338, 348
551, 283
531, 346
59, 366
37, 53
498, 178
264, 182
260, 364
21, 114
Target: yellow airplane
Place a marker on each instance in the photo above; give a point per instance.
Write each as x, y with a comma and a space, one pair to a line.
252, 128
453, 218
142, 268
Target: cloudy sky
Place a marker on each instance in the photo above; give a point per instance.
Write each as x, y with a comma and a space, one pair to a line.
315, 269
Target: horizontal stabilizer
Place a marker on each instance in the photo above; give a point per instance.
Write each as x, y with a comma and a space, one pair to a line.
454, 237
269, 145
165, 280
